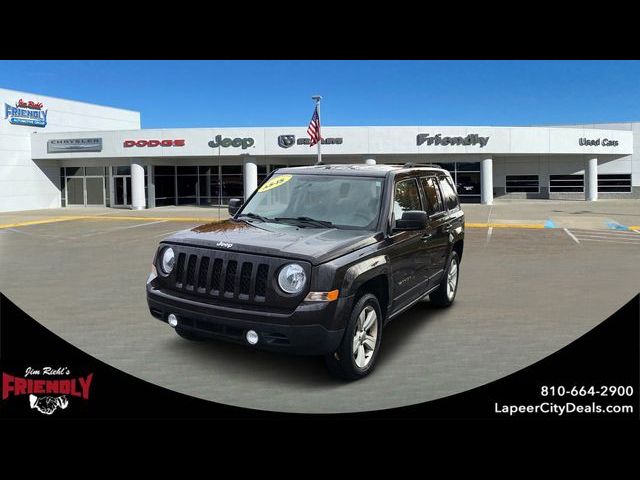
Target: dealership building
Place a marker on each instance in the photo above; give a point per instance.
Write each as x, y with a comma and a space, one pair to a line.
62, 153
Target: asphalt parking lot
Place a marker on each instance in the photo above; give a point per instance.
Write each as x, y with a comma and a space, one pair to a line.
535, 276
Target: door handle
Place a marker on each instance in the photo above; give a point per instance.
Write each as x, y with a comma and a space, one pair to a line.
447, 228
426, 236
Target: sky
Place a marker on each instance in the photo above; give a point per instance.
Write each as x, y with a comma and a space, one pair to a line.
171, 94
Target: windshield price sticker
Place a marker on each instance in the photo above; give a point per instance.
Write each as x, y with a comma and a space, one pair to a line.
275, 182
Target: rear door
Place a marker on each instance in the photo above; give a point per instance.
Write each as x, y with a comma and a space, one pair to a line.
455, 217
436, 238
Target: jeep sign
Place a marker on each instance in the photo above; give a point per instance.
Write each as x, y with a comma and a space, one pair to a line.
232, 142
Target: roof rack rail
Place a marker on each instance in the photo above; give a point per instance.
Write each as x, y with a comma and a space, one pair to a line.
412, 164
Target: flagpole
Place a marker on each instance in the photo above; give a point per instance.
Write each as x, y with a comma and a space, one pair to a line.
317, 98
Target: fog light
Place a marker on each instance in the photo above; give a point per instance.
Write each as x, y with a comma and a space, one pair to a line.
173, 320
252, 337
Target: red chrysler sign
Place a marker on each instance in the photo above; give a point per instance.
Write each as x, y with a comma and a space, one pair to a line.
154, 143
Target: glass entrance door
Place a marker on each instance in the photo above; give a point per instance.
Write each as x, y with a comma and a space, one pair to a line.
122, 191
94, 187
75, 191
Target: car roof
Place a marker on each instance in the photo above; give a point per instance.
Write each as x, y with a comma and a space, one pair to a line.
360, 169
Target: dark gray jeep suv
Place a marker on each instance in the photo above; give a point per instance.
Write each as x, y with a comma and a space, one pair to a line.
317, 261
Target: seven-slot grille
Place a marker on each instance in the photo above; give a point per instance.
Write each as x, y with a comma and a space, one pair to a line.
219, 276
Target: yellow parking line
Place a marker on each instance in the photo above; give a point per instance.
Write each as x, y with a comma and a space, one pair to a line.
38, 222
170, 219
635, 227
101, 217
504, 225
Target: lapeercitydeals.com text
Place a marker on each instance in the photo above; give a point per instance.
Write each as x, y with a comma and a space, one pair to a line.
562, 409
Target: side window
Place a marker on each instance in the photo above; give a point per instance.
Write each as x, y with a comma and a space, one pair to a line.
449, 193
406, 197
432, 192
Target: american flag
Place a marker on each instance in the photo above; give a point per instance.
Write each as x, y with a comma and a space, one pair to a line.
314, 128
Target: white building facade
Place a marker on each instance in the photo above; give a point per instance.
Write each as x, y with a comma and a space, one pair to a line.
90, 155
25, 184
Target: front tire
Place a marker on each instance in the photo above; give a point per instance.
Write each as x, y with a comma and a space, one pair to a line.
356, 356
446, 292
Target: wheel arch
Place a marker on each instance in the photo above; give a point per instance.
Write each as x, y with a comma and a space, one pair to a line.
370, 275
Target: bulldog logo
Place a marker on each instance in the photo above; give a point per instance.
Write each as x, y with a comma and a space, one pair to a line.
286, 141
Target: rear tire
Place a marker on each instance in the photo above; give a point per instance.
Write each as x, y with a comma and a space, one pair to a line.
446, 292
357, 353
194, 337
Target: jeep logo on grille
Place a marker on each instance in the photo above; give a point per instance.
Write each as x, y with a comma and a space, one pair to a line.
224, 244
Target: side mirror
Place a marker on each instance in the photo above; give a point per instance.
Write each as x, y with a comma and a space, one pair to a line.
412, 220
234, 206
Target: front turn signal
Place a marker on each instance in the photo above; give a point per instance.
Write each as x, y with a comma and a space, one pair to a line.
323, 296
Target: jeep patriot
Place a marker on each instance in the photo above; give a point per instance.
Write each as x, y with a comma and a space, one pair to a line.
316, 261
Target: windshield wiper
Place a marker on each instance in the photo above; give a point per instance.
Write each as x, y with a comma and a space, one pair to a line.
306, 220
254, 216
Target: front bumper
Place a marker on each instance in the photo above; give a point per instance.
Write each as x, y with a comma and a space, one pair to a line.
305, 331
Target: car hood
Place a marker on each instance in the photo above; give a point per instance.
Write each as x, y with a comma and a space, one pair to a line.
315, 245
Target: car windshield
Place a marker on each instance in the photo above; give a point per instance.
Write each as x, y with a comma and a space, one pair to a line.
317, 201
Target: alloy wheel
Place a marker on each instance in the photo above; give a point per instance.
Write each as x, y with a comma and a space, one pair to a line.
365, 336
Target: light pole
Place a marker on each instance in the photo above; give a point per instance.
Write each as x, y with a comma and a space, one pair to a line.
317, 99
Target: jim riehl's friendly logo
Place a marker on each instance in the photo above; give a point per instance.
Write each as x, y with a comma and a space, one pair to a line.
46, 394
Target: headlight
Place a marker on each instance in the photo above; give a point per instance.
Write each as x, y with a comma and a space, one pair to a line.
167, 261
292, 278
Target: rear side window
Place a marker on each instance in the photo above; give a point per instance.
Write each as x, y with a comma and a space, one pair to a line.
432, 193
406, 197
448, 193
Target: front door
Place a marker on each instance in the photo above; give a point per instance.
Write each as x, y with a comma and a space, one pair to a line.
122, 191
94, 187
409, 260
75, 191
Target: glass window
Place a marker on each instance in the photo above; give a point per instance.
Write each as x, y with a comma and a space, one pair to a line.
232, 186
63, 183
95, 171
406, 197
566, 183
75, 171
208, 170
124, 170
346, 202
522, 183
209, 185
187, 170
187, 189
432, 194
164, 170
165, 189
468, 166
616, 182
448, 193
468, 183
231, 169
